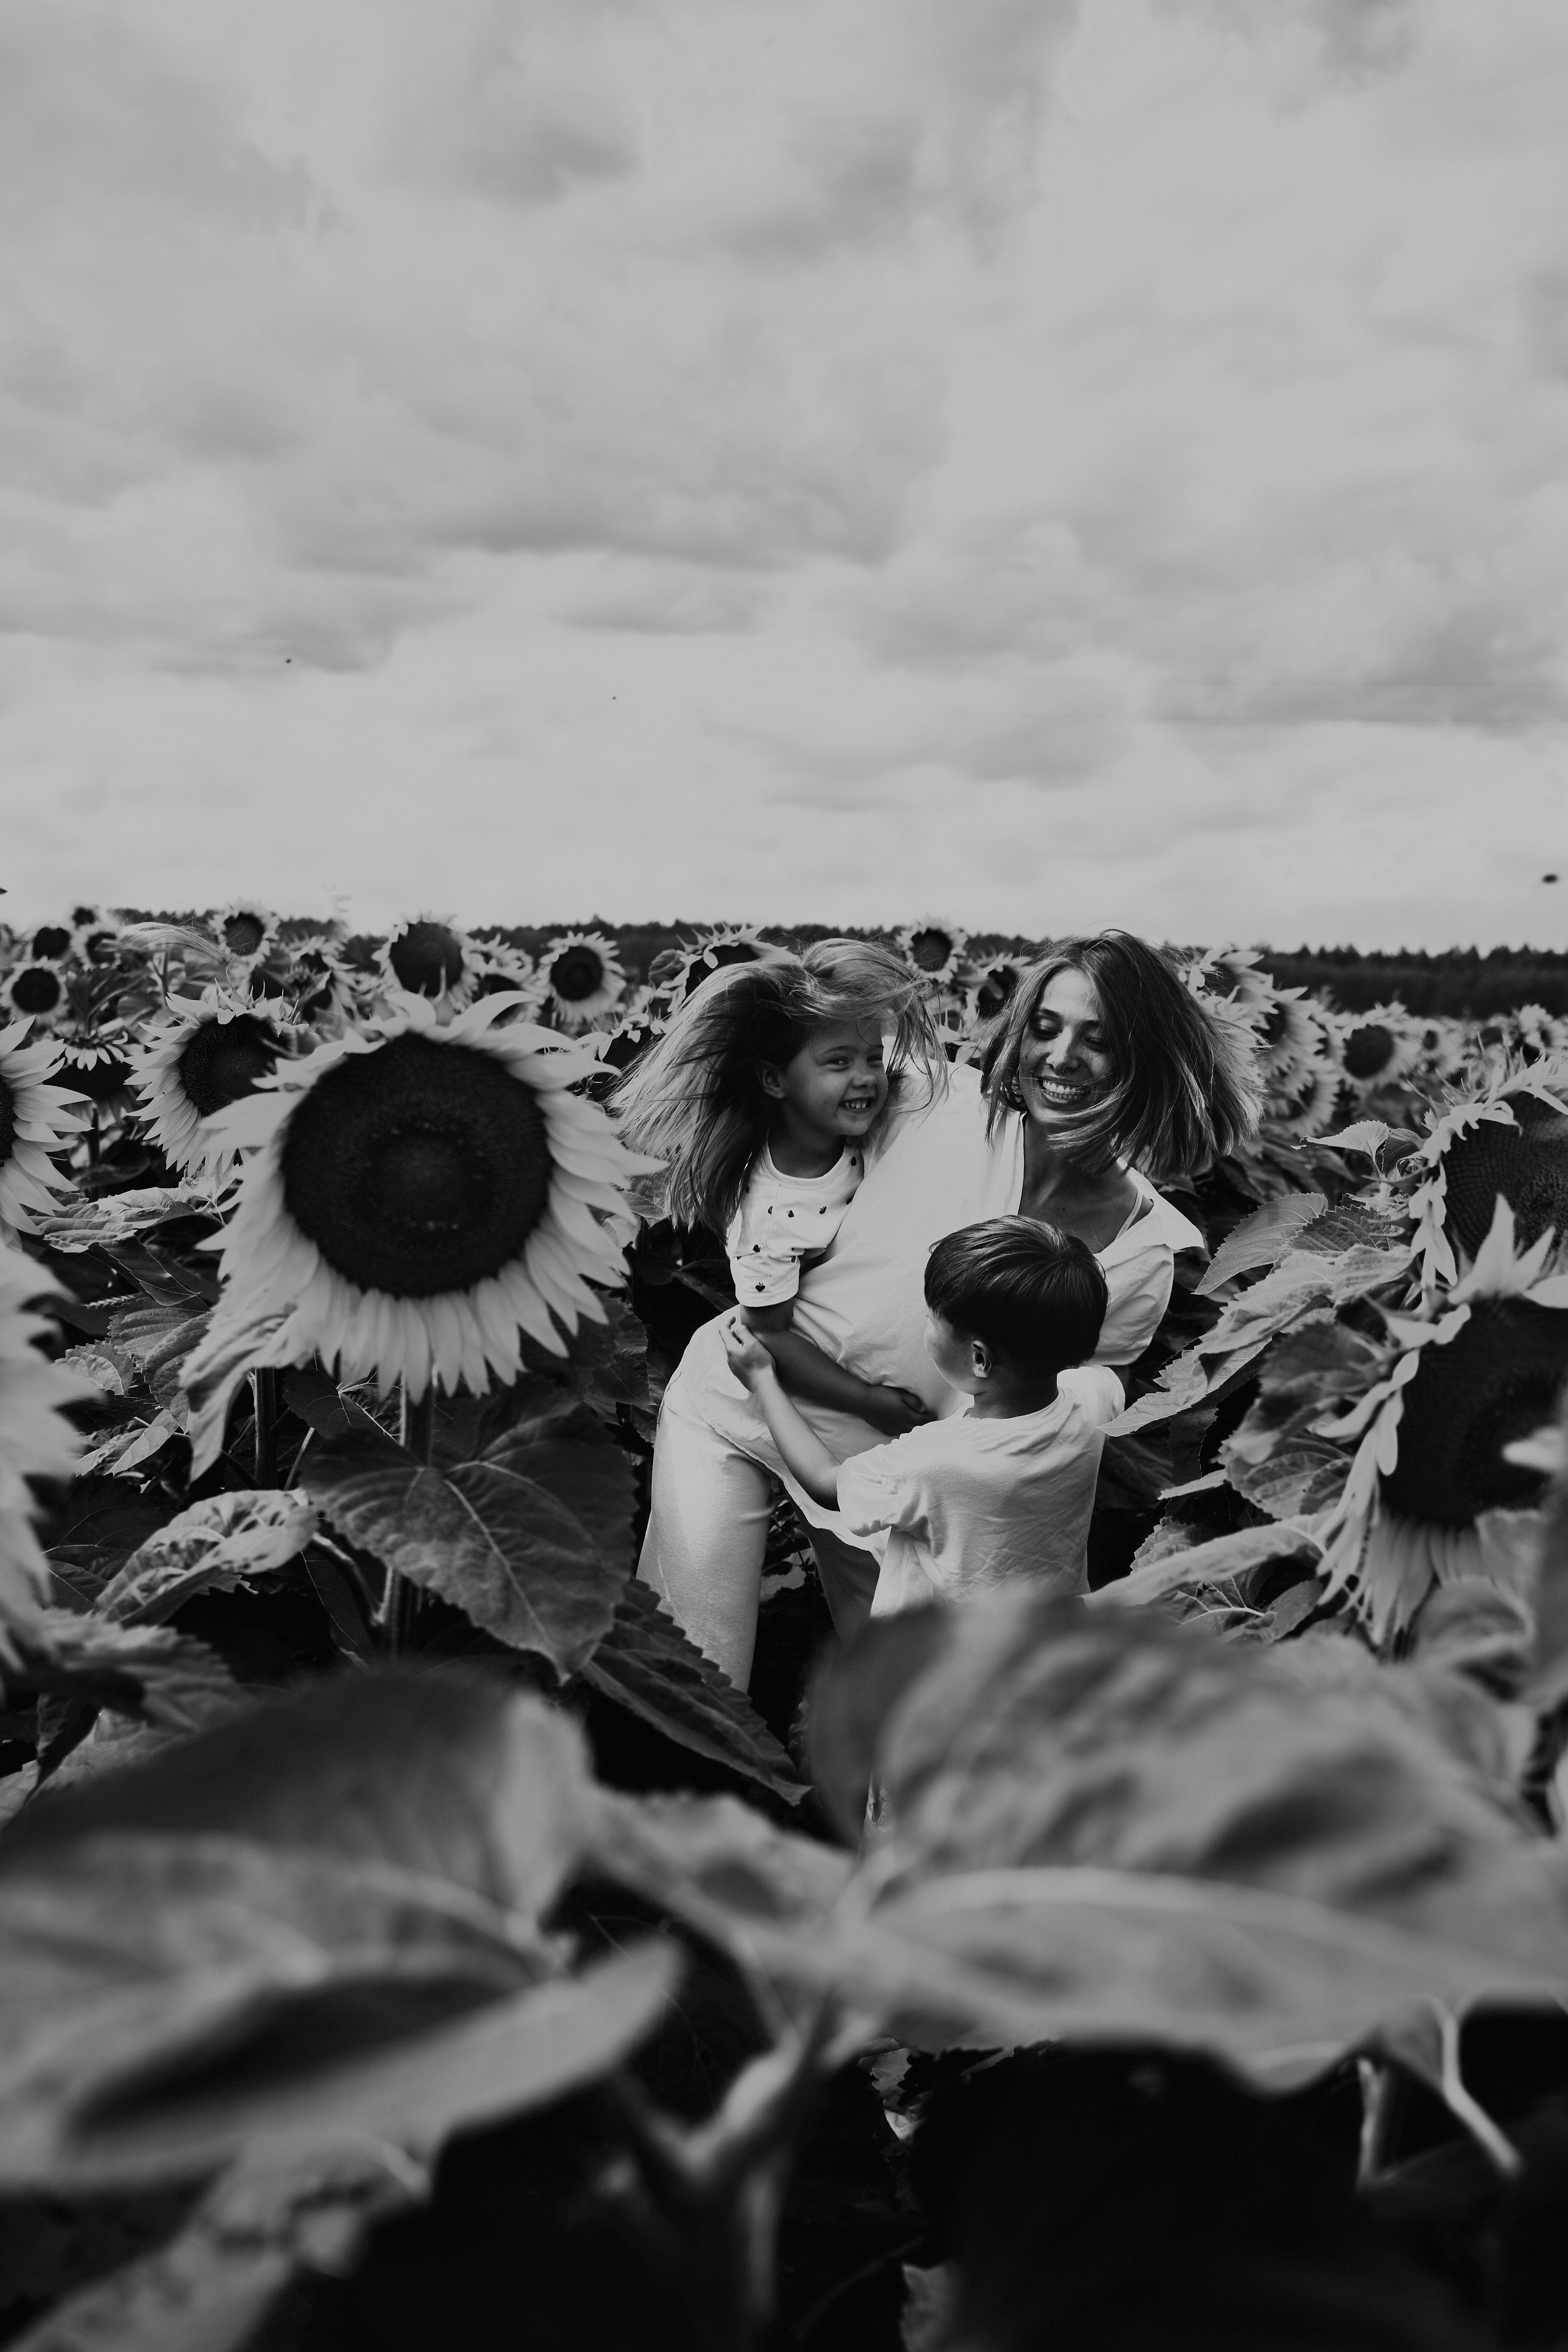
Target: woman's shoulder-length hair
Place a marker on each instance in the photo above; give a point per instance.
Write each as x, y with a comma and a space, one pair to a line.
1184, 1085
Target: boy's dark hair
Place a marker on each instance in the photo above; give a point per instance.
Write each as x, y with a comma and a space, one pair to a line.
1033, 1295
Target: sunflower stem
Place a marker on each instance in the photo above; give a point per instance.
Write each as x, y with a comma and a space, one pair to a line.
264, 1393
93, 1139
417, 1433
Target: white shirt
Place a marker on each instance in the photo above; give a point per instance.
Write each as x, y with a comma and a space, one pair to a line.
783, 1220
969, 1504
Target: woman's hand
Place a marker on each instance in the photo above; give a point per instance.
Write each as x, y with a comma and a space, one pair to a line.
895, 1411
749, 1359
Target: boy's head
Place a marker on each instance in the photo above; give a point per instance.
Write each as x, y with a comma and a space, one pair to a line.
1023, 1297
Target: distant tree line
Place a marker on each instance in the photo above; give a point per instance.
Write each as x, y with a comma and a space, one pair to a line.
1461, 981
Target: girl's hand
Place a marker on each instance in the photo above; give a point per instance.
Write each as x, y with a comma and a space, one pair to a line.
749, 1359
895, 1411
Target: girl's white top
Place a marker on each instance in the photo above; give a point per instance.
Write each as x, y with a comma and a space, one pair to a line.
932, 1170
784, 1220
962, 1504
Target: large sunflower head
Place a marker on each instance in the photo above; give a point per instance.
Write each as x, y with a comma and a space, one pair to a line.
420, 1194
934, 948
582, 978
426, 956
196, 1062
37, 992
1437, 1484
37, 1121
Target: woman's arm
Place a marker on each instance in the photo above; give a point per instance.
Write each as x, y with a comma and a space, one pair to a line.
805, 1371
802, 1452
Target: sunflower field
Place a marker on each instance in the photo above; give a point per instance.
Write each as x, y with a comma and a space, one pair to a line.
409, 1937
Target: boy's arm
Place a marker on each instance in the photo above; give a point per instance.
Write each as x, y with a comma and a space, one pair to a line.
804, 1454
805, 1371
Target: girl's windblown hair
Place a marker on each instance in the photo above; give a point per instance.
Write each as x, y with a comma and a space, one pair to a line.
1184, 1087
697, 1101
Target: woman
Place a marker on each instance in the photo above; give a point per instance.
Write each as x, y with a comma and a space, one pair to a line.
1102, 1072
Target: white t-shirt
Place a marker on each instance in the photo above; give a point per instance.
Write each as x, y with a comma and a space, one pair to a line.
783, 1220
969, 1504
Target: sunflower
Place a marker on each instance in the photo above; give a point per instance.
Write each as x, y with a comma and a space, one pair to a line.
991, 986
50, 943
36, 1442
1306, 1107
1377, 1048
427, 956
201, 1058
418, 1195
246, 930
1508, 1140
1436, 1488
503, 970
1228, 972
37, 989
94, 935
37, 1120
933, 948
582, 978
101, 1070
621, 1048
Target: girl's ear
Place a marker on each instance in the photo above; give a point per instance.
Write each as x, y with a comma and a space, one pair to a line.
773, 1080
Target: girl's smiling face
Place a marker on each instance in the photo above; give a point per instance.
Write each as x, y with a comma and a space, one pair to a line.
838, 1083
1065, 1065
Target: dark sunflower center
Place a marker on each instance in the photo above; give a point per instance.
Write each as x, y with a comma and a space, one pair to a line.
243, 934
37, 990
628, 1046
995, 990
264, 983
1498, 1380
81, 915
1368, 1050
930, 950
52, 941
427, 958
577, 974
97, 1076
417, 1168
734, 951
1528, 1164
97, 947
223, 1059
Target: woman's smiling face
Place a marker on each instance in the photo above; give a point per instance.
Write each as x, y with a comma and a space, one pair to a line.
1065, 1065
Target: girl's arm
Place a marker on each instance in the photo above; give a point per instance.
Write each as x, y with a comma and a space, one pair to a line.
805, 1371
804, 1454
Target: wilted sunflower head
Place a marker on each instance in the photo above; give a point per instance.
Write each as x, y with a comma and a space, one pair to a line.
995, 986
37, 990
420, 1195
934, 946
49, 942
427, 957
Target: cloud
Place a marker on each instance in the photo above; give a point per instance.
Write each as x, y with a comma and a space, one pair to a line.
783, 456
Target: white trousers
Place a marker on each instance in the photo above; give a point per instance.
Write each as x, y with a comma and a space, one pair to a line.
707, 1530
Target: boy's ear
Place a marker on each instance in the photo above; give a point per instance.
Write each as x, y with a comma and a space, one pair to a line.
773, 1080
980, 1359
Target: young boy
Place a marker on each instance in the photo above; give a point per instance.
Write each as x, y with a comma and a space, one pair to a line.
1006, 1487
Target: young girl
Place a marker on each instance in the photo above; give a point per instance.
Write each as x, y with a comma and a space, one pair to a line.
763, 1099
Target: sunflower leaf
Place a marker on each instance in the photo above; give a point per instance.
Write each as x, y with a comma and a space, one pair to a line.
645, 1663
1262, 1239
213, 1545
531, 1540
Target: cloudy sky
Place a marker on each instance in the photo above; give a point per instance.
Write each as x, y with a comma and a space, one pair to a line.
1046, 462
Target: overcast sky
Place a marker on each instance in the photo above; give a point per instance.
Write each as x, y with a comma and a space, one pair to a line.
1044, 462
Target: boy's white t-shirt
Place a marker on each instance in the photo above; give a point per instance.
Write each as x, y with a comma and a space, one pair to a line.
970, 1503
783, 1219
